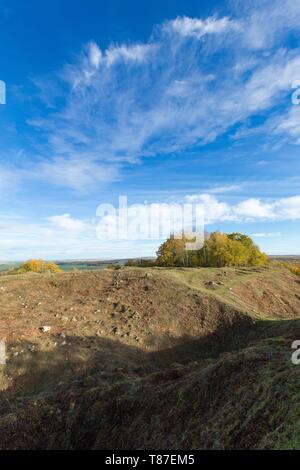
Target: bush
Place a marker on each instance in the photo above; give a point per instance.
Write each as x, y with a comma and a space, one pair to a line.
294, 268
140, 263
113, 266
36, 266
219, 249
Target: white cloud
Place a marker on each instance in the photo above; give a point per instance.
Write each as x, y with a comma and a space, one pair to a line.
95, 54
134, 53
214, 210
265, 22
81, 73
167, 95
285, 126
226, 189
197, 28
63, 236
249, 210
66, 222
254, 209
266, 234
80, 175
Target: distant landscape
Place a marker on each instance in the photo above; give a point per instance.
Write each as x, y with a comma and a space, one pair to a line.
70, 265
83, 265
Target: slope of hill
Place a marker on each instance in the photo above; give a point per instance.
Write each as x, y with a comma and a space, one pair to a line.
150, 358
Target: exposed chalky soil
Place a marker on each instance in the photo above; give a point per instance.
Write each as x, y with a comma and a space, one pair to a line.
150, 358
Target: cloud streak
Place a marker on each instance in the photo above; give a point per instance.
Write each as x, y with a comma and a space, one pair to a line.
197, 28
186, 86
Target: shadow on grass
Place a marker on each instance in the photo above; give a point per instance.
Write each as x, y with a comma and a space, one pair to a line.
37, 407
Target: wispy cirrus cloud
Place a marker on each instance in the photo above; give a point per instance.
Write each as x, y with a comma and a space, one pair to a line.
190, 83
196, 27
80, 174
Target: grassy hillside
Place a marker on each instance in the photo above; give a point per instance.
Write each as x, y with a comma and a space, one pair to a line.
150, 358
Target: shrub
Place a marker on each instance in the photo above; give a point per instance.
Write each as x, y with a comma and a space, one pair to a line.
37, 266
294, 268
140, 263
115, 266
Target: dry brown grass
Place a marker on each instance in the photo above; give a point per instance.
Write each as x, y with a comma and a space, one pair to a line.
151, 358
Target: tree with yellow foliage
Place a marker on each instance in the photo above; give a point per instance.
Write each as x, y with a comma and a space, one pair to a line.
37, 266
173, 252
292, 267
219, 249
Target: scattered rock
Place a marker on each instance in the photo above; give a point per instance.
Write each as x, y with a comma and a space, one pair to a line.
45, 328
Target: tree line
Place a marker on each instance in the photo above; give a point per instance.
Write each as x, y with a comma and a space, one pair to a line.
218, 250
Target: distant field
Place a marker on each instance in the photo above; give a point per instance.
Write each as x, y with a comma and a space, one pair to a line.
89, 264
287, 259
80, 265
6, 267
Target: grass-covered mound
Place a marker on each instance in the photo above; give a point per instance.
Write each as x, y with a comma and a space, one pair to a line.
155, 358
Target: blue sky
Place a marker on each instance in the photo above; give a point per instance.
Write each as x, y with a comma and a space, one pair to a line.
162, 101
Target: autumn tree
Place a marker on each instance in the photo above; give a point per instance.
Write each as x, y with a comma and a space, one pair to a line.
219, 249
37, 266
173, 252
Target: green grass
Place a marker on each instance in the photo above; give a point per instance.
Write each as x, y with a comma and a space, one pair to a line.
8, 266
